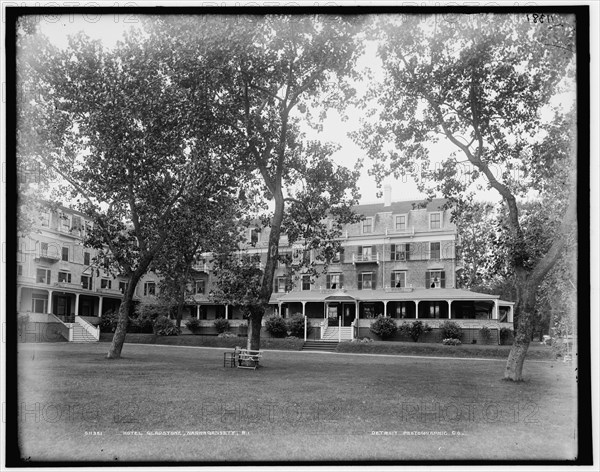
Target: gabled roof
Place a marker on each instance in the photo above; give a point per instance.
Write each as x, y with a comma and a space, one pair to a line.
399, 207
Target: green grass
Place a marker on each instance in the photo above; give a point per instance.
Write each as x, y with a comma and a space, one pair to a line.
298, 406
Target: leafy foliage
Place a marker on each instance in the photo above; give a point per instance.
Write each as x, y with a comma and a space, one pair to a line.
384, 327
485, 332
451, 330
164, 326
276, 326
295, 325
193, 325
451, 342
222, 325
415, 329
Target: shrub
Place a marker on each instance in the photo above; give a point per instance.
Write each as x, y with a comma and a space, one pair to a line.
152, 309
222, 325
140, 325
295, 326
485, 332
415, 329
363, 340
505, 335
163, 326
451, 330
276, 326
108, 321
384, 327
193, 324
451, 342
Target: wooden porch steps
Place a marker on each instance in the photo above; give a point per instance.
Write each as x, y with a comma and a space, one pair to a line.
328, 346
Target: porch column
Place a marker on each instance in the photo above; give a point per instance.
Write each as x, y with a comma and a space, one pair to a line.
511, 313
326, 314
50, 301
198, 312
384, 309
417, 309
449, 309
303, 309
100, 306
226, 312
279, 309
495, 310
76, 304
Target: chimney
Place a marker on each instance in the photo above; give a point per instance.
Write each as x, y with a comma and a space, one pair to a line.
387, 195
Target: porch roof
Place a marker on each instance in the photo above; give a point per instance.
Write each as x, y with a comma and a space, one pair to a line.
382, 295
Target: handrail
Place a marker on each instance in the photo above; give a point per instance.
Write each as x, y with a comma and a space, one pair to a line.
90, 328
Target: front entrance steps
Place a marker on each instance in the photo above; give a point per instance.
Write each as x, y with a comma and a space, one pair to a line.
335, 333
80, 334
328, 346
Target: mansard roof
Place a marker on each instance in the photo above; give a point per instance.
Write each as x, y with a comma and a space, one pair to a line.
400, 207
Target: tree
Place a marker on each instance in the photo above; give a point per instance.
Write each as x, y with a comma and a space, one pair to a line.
204, 223
484, 83
119, 136
272, 68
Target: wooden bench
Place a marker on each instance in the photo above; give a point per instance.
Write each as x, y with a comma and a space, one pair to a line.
247, 359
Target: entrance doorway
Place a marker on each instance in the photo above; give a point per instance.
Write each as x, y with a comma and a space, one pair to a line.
348, 313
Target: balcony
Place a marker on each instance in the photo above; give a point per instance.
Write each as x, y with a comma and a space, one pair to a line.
67, 285
45, 257
365, 258
109, 291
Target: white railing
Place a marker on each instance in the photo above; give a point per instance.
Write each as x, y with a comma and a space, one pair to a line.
399, 289
324, 325
90, 328
365, 258
410, 231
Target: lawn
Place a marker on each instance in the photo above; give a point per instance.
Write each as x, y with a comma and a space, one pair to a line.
167, 403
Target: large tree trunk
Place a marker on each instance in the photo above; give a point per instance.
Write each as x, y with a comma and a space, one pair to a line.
254, 327
523, 324
180, 302
114, 352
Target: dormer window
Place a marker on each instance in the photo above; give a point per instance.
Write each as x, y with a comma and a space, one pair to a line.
400, 223
367, 225
435, 221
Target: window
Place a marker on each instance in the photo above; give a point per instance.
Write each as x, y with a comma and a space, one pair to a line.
254, 236
281, 284
19, 269
364, 253
199, 287
434, 250
44, 249
306, 282
435, 221
366, 281
399, 252
123, 286
335, 281
434, 309
76, 225
65, 223
45, 219
339, 256
86, 258
435, 279
65, 254
86, 282
43, 276
64, 277
106, 283
39, 303
398, 279
367, 225
401, 223
149, 288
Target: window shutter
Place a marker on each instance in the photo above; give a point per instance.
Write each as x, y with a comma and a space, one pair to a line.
288, 284
427, 280
328, 282
393, 249
374, 280
393, 279
341, 281
342, 254
360, 284
443, 280
359, 251
407, 249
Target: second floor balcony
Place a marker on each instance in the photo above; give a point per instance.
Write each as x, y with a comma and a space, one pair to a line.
365, 258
